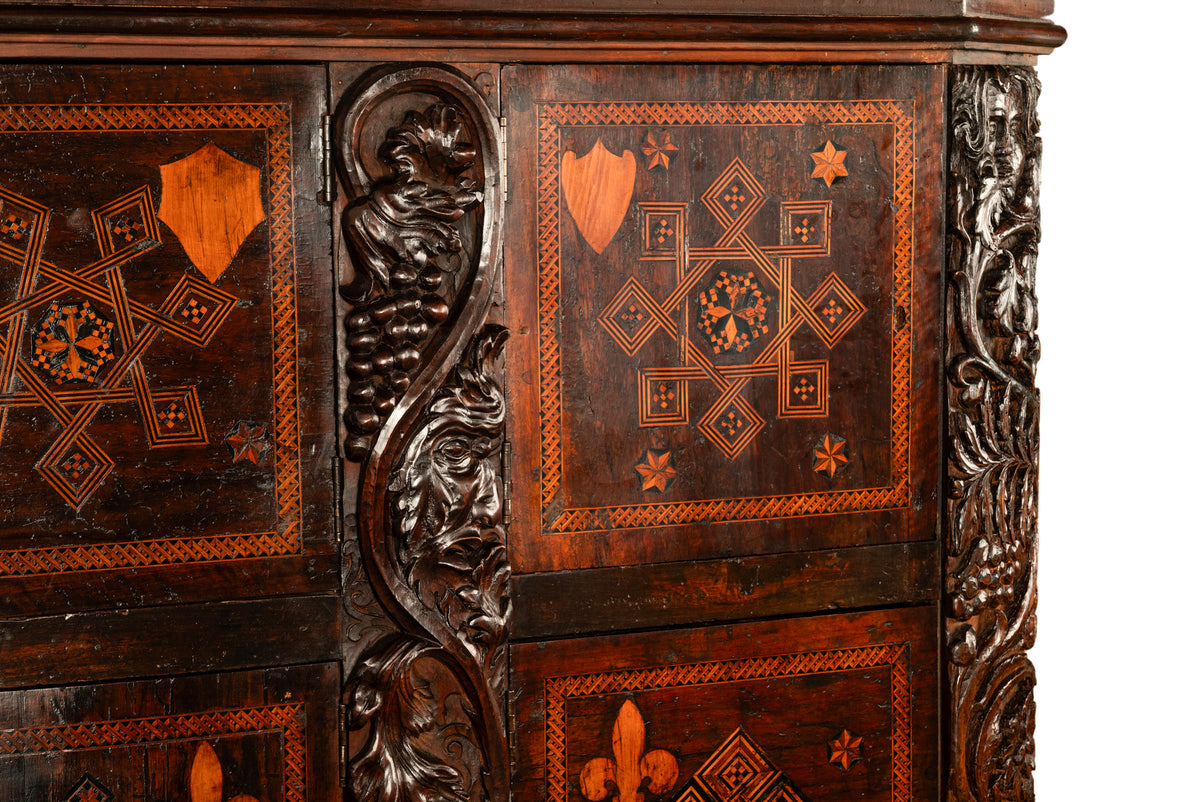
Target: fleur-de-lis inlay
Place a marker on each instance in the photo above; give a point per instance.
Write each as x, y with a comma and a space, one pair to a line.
633, 768
206, 780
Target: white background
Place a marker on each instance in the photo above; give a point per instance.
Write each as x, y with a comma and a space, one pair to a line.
1118, 715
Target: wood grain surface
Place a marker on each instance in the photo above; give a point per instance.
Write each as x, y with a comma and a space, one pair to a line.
155, 418
747, 366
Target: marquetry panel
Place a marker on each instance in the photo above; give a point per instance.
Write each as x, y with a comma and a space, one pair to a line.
154, 270
262, 736
725, 311
829, 707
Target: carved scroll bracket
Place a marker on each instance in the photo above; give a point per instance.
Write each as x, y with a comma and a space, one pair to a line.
993, 407
419, 157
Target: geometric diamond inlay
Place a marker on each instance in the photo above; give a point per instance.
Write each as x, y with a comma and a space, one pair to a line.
740, 771
88, 789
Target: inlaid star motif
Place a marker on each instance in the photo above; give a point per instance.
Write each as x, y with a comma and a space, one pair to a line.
830, 164
248, 441
658, 154
733, 312
88, 789
830, 455
657, 470
72, 343
845, 750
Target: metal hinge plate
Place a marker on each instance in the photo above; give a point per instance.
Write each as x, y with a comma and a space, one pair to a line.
343, 749
506, 472
512, 733
504, 158
328, 188
338, 468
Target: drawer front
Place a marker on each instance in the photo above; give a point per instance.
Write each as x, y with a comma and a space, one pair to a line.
722, 283
832, 707
158, 251
267, 736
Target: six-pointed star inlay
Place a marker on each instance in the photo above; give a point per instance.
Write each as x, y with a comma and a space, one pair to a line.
830, 164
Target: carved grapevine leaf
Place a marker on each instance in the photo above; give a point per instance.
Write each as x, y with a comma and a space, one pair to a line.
991, 537
422, 743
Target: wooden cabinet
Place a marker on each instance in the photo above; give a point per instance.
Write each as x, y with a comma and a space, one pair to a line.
549, 403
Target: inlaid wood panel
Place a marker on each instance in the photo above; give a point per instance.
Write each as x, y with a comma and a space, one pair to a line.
159, 407
835, 707
718, 292
265, 736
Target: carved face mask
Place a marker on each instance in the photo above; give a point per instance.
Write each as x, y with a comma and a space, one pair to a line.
1003, 155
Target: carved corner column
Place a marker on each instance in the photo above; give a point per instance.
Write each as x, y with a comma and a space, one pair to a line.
425, 583
992, 436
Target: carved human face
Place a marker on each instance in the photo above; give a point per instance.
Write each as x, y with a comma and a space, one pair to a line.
447, 504
1003, 152
465, 498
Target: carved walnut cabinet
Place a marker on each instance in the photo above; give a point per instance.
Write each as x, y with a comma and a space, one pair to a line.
541, 400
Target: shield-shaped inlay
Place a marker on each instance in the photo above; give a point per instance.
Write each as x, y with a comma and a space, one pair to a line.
212, 202
598, 189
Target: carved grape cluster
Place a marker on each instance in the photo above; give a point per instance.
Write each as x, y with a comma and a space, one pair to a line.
404, 241
384, 339
989, 580
991, 546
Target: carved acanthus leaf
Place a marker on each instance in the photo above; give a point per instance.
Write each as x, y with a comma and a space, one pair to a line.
446, 498
426, 713
991, 534
405, 241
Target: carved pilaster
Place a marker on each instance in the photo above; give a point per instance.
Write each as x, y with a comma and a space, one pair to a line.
992, 438
426, 584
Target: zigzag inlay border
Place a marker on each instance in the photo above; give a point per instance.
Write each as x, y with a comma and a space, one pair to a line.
275, 120
287, 720
558, 690
900, 114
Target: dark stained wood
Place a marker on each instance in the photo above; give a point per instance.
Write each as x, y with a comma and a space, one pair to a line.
161, 641
791, 686
537, 35
795, 571
265, 729
635, 452
419, 158
1016, 8
993, 437
614, 599
184, 235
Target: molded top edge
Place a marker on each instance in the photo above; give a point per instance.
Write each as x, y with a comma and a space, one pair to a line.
1017, 9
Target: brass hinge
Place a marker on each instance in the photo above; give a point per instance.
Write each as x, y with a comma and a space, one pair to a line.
328, 187
506, 471
512, 733
343, 748
504, 158
339, 479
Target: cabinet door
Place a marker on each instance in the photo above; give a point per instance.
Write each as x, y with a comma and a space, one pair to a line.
828, 707
166, 427
255, 735
723, 286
